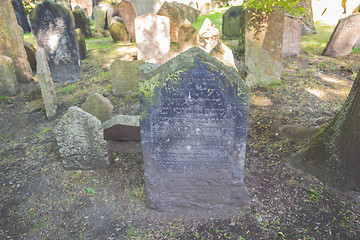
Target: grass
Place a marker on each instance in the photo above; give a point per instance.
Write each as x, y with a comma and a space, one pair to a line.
316, 43
28, 37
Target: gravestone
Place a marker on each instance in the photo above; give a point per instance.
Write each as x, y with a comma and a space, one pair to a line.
263, 47
48, 92
146, 6
153, 38
81, 43
191, 13
194, 118
31, 55
223, 54
11, 42
99, 13
81, 22
54, 33
124, 77
118, 31
187, 36
8, 83
21, 15
292, 36
209, 35
128, 14
98, 106
344, 36
233, 22
81, 141
122, 128
176, 16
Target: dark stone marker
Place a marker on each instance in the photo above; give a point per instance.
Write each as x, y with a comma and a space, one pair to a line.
82, 23
54, 33
233, 25
21, 15
194, 119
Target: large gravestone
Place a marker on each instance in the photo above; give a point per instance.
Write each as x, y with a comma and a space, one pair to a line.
233, 22
128, 14
292, 36
153, 38
21, 15
11, 42
54, 33
344, 37
263, 47
176, 16
194, 118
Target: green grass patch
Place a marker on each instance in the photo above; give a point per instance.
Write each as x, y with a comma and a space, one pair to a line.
316, 43
28, 37
215, 17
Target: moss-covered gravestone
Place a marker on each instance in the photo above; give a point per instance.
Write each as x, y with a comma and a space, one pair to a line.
233, 25
54, 33
81, 22
194, 119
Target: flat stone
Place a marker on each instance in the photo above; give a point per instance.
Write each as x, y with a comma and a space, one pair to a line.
98, 106
122, 128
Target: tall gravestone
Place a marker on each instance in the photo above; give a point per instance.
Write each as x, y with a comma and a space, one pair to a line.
176, 16
194, 118
344, 37
263, 47
81, 22
54, 33
11, 42
153, 38
292, 36
233, 22
21, 15
128, 14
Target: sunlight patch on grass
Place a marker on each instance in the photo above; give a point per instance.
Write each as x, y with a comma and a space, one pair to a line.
316, 43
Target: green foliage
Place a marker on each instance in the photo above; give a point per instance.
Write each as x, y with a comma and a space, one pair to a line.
289, 6
89, 191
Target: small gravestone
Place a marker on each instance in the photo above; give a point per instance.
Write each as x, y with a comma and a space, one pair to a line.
81, 141
194, 119
128, 14
153, 38
81, 43
209, 35
99, 13
176, 16
46, 85
118, 31
21, 15
98, 106
292, 36
122, 128
81, 22
191, 13
31, 55
111, 9
124, 77
187, 36
54, 33
233, 22
344, 37
8, 84
223, 54
263, 51
146, 6
11, 42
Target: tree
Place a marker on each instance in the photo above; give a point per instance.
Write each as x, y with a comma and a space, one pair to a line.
333, 155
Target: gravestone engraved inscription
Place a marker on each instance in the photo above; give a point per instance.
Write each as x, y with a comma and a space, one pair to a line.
194, 118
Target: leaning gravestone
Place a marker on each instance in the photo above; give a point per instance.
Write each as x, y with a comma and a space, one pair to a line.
194, 118
153, 38
81, 141
233, 22
187, 36
344, 37
292, 36
128, 14
11, 42
117, 30
209, 35
176, 16
48, 92
21, 15
98, 106
124, 77
191, 13
54, 33
8, 84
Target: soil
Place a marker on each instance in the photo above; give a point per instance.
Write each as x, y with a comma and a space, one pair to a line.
40, 200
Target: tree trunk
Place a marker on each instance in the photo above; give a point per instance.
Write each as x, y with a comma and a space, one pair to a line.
334, 153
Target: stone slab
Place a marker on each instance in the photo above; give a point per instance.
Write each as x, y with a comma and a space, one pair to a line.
122, 128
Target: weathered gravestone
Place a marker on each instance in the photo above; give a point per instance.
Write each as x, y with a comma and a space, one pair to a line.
194, 118
263, 51
81, 22
292, 36
48, 92
176, 16
21, 15
81, 43
99, 13
11, 42
233, 22
128, 14
124, 77
98, 106
191, 13
146, 6
209, 35
153, 38
54, 33
8, 84
117, 30
81, 141
223, 54
122, 128
187, 36
344, 37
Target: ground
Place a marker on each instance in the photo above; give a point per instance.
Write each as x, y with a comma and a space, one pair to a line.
40, 200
